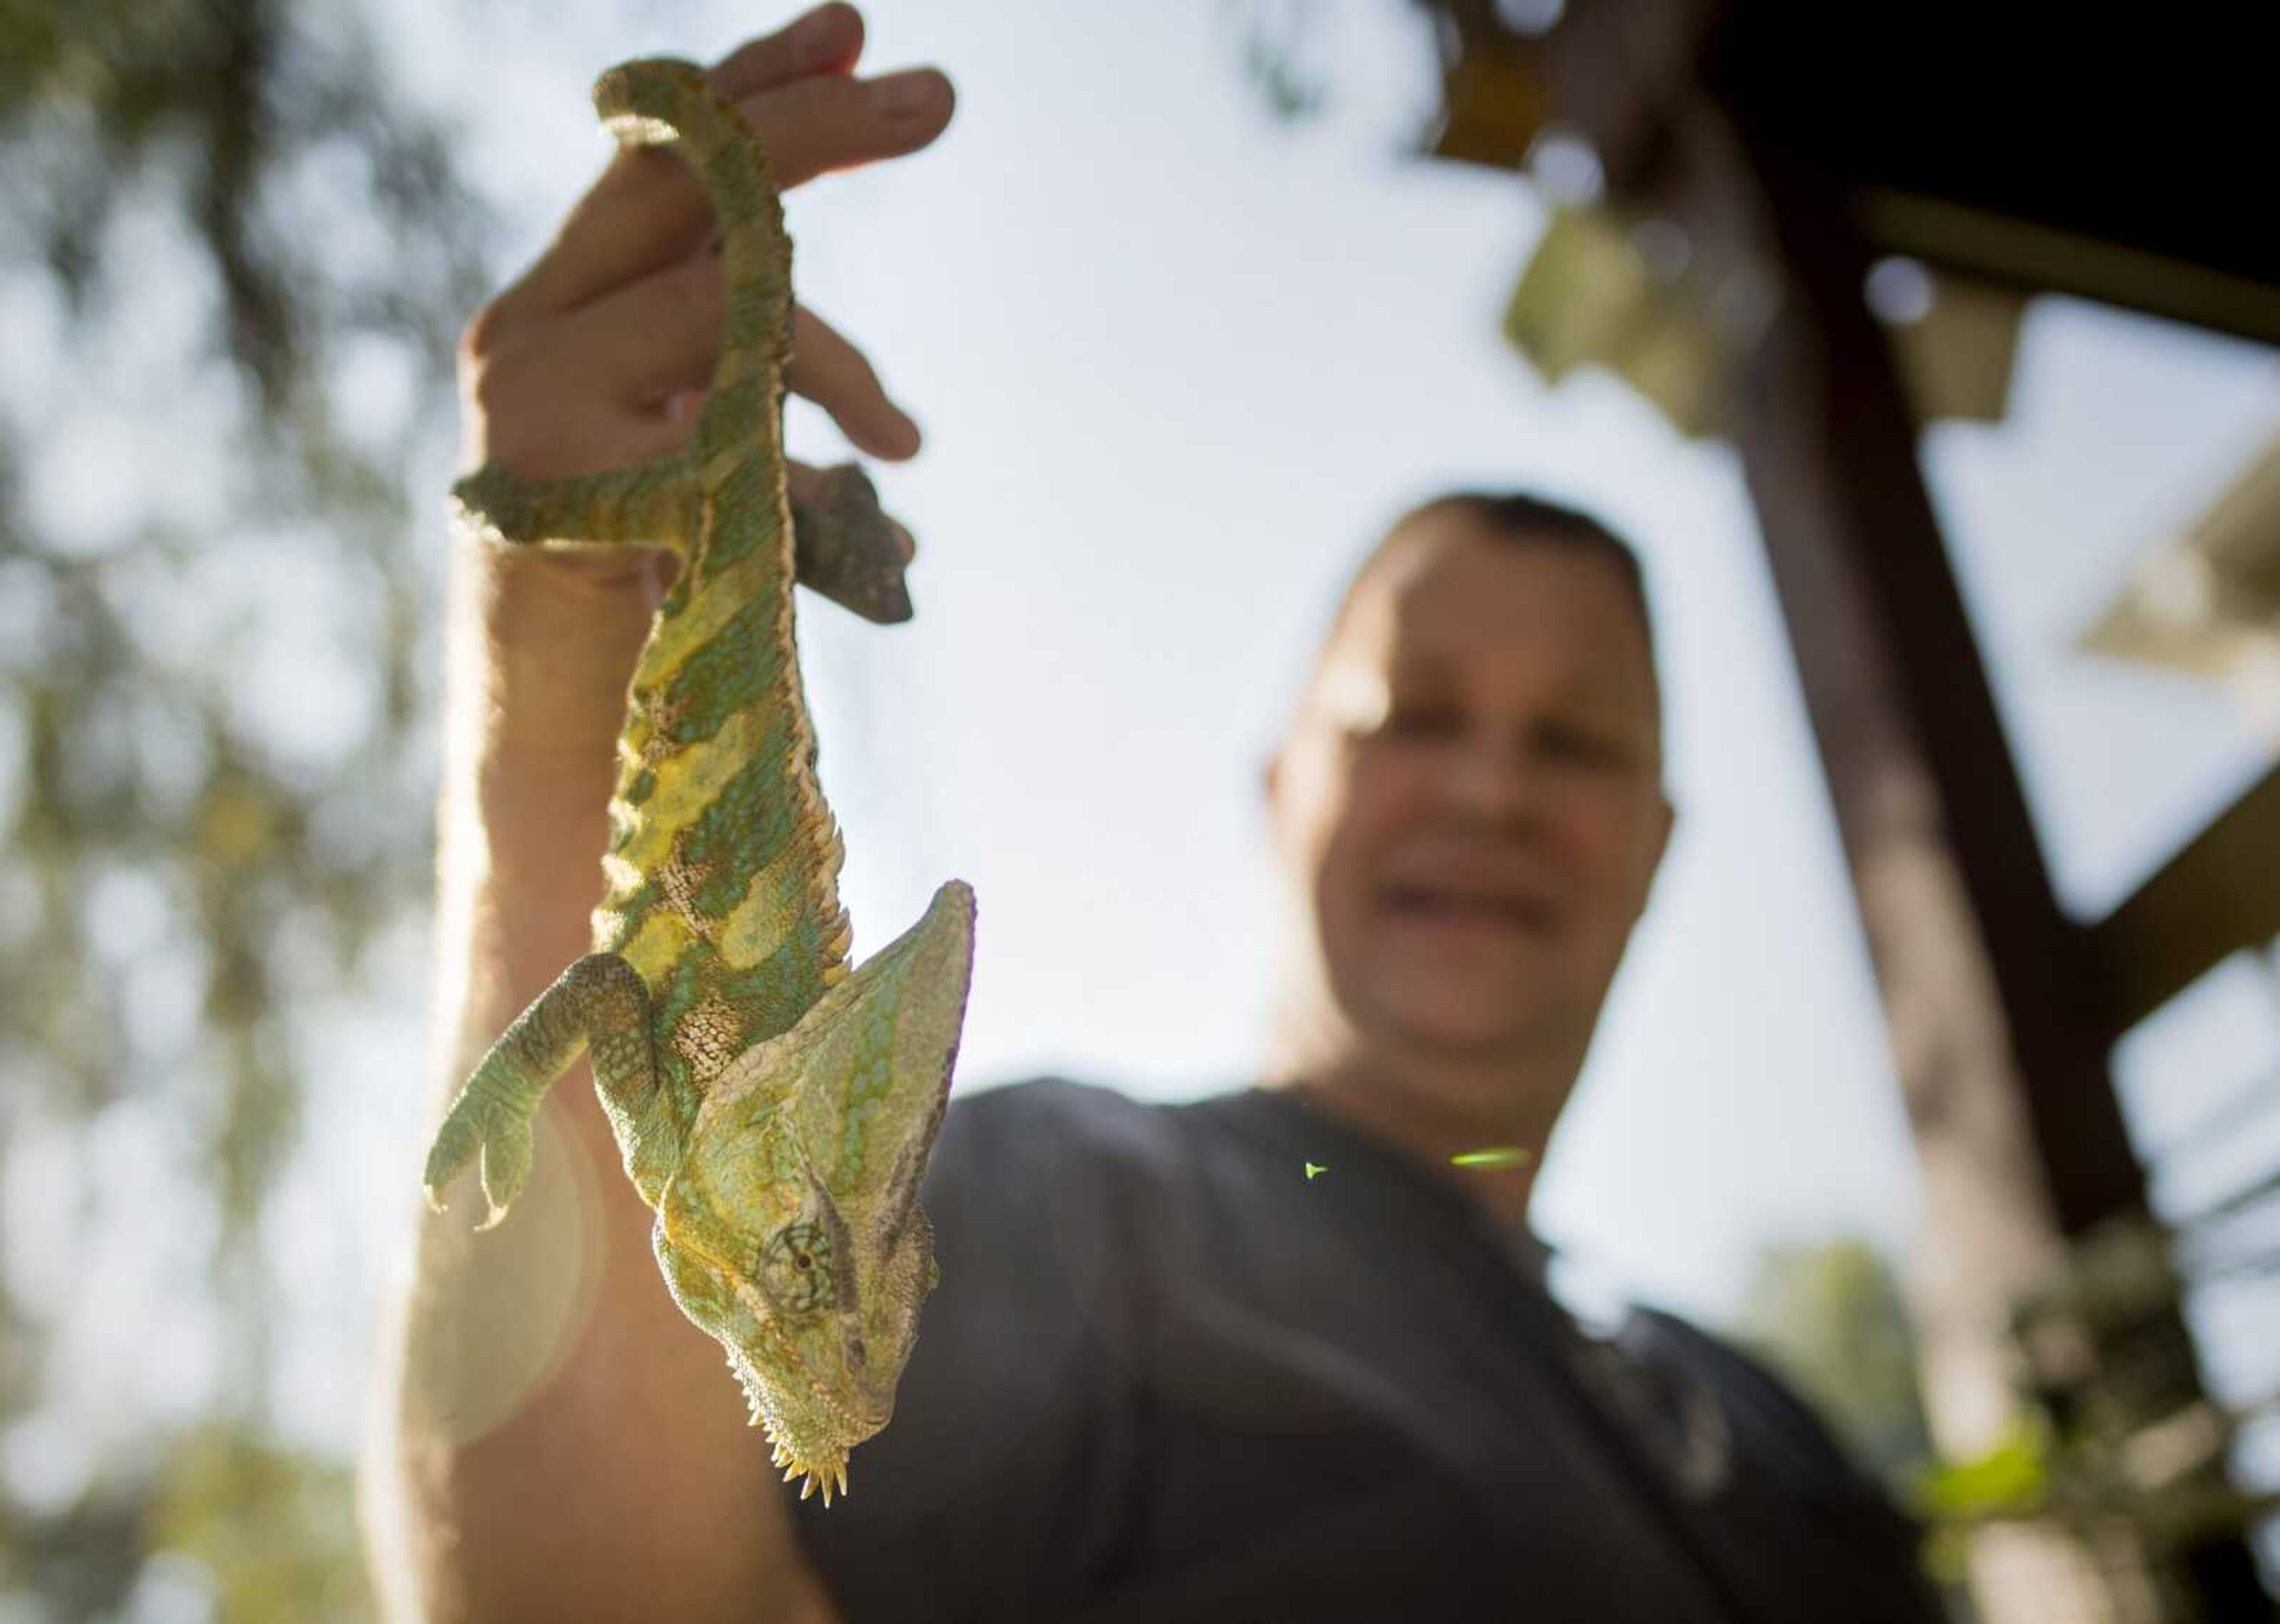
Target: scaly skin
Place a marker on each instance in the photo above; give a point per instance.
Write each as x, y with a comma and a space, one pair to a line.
773, 1109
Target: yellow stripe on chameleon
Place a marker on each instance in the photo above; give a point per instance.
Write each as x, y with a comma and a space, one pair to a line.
700, 621
687, 782
773, 904
658, 945
722, 465
735, 365
691, 780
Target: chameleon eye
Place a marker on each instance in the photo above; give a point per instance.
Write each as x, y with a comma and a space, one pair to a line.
797, 1265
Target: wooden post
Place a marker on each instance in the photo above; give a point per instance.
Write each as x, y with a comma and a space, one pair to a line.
1994, 1000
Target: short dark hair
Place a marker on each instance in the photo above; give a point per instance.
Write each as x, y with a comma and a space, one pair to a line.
1527, 520
1521, 516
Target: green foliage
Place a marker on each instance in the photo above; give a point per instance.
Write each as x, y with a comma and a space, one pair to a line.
274, 1530
2011, 1480
1830, 1316
232, 265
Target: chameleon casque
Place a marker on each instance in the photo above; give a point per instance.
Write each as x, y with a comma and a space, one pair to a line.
774, 1108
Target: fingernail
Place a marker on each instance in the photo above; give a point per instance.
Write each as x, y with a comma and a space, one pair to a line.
907, 94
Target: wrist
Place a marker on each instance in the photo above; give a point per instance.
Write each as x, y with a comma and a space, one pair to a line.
541, 652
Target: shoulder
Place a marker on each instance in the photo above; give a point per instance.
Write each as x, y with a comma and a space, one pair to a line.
1039, 1186
1074, 1205
1079, 1111
1048, 1130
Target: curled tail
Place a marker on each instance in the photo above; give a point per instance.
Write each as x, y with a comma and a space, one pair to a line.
661, 102
845, 547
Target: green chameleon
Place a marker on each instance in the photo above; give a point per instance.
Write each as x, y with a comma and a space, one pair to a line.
775, 1110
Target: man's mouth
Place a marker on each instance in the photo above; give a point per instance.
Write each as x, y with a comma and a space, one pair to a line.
1436, 902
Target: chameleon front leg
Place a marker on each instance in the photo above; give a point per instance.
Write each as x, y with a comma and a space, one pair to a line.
597, 1005
846, 548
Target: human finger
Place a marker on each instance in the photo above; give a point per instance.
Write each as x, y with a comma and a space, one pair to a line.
838, 377
651, 210
824, 40
661, 337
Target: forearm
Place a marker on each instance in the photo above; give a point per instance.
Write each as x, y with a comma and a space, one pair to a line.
561, 1442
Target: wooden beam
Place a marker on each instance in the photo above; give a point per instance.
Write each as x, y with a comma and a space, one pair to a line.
1894, 679
2035, 258
2217, 897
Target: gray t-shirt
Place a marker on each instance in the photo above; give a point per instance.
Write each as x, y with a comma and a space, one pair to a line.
1168, 1375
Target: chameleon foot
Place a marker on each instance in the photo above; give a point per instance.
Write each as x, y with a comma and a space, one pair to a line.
498, 1136
596, 1005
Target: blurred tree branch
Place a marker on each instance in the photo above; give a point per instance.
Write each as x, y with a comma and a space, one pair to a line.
223, 224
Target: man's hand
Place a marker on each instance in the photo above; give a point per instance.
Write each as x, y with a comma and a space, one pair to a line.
597, 359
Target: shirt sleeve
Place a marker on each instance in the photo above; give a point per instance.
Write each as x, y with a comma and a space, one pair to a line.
993, 1491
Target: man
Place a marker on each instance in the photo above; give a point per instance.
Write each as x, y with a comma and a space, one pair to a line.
1275, 1355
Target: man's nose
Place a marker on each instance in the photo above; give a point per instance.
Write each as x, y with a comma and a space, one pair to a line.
1488, 773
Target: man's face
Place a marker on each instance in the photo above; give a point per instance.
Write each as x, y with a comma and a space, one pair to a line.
1470, 805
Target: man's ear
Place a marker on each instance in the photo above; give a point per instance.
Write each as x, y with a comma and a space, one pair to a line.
1669, 812
1273, 782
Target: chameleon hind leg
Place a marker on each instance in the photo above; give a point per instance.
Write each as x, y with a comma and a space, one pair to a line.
845, 547
598, 1004
653, 504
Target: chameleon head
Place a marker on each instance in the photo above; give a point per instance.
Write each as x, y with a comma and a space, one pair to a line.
813, 1294
791, 1230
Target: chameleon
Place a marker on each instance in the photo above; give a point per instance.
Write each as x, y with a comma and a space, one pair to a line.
774, 1108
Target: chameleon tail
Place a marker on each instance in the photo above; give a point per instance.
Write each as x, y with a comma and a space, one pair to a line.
660, 101
843, 546
662, 503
